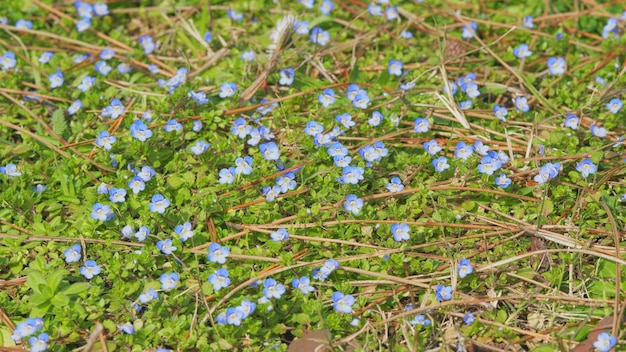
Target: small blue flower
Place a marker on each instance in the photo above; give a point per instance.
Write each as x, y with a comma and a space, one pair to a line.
353, 204
246, 307
147, 44
127, 328
374, 10
522, 52
142, 233
248, 56
303, 284
197, 126
56, 79
219, 279
286, 76
597, 131
464, 268
159, 204
234, 15
465, 105
200, 147
83, 24
8, 61
90, 269
115, 110
86, 83
319, 36
500, 112
586, 167
400, 232
376, 119
528, 22
391, 13
272, 289
615, 105
406, 34
46, 57
521, 104
269, 151
227, 176
337, 149
280, 235
327, 97
217, 253
166, 247
104, 140
83, 9
342, 303
326, 7
605, 342
184, 231
471, 89
234, 316
325, 270
148, 295
443, 293
352, 174
441, 164
76, 105
610, 28
407, 85
419, 319
199, 97
169, 281
173, 126
301, 27
469, 30
117, 195
547, 172
463, 151
228, 90
124, 68
361, 100
27, 328
72, 254
10, 170
395, 185
395, 67
101, 212
24, 24
39, 343
571, 121
432, 147
556, 65
503, 181
346, 120
146, 173
101, 9
271, 193
468, 318
102, 68
243, 165
421, 125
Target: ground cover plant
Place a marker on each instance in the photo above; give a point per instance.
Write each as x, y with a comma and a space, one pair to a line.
312, 175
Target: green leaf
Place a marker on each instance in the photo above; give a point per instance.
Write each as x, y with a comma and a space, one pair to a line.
76, 288
55, 278
59, 125
35, 280
60, 300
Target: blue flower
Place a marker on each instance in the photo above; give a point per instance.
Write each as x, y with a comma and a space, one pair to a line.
83, 24
248, 56
615, 105
605, 342
86, 83
419, 319
556, 65
83, 9
342, 303
102, 68
374, 10
353, 204
303, 284
342, 160
547, 172
337, 149
394, 67
127, 328
464, 268
197, 126
571, 121
286, 76
234, 316
465, 105
90, 269
10, 170
228, 90
522, 52
148, 295
101, 9
173, 126
463, 151
586, 167
217, 253
234, 15
56, 79
227, 176
184, 231
352, 91
46, 57
352, 174
599, 132
115, 110
219, 279
76, 105
199, 97
269, 151
104, 140
432, 147
286, 182
443, 293
208, 37
24, 24
246, 307
346, 120
528, 22
117, 195
325, 270
400, 232
280, 235
8, 60
500, 112
406, 34
326, 7
471, 89
124, 68
319, 36
40, 188
327, 97
441, 164
243, 165
272, 289
521, 104
200, 147
301, 27
361, 100
147, 44
468, 318
610, 28
376, 119
142, 233
391, 13
240, 128
395, 185
503, 181
271, 192
27, 328
159, 204
421, 125
469, 30
39, 343
72, 254
101, 212
407, 85
307, 3
169, 281
146, 173
166, 247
